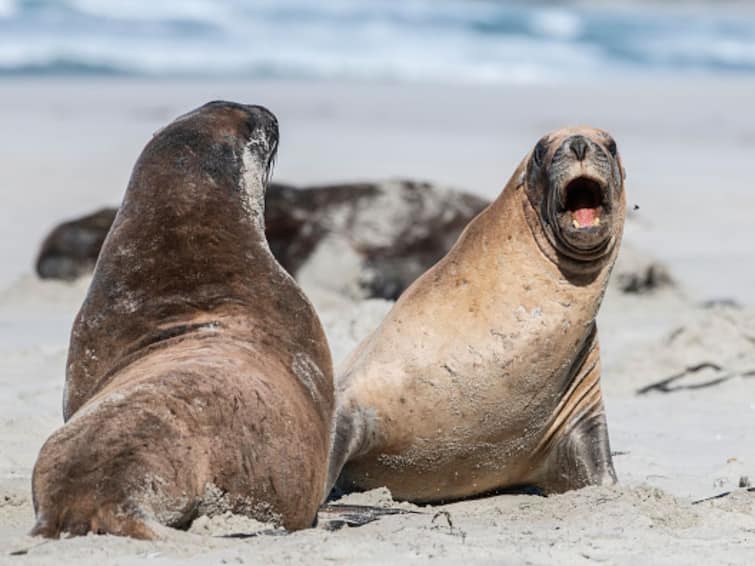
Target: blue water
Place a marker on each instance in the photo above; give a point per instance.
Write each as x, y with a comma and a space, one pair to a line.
445, 40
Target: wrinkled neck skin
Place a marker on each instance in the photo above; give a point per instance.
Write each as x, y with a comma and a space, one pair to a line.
576, 271
502, 317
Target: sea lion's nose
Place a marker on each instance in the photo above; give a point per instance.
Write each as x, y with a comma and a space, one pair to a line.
579, 147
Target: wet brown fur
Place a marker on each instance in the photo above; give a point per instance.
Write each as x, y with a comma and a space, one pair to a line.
199, 379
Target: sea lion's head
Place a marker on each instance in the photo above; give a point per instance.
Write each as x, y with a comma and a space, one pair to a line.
242, 138
219, 145
575, 181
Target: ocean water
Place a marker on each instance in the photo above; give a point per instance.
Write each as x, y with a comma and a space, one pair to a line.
439, 40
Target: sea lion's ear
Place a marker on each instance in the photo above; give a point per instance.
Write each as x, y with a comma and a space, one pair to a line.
611, 147
520, 181
538, 154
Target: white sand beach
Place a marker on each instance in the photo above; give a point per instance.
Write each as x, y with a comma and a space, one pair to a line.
688, 148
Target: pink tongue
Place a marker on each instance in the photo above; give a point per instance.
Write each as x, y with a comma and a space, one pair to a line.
584, 216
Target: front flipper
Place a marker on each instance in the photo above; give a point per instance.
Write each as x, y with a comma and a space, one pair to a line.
580, 459
354, 432
576, 451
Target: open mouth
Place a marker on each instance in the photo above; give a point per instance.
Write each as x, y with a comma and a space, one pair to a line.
584, 201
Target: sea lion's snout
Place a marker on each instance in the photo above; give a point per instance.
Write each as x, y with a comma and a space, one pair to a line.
577, 173
580, 179
256, 127
263, 139
579, 147
263, 130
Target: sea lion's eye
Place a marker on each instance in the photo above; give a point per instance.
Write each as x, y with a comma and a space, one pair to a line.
611, 147
538, 154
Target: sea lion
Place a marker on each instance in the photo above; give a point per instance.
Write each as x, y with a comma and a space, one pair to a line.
71, 249
381, 235
485, 374
385, 234
199, 378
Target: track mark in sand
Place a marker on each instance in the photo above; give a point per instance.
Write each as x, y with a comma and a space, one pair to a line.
666, 385
721, 495
357, 515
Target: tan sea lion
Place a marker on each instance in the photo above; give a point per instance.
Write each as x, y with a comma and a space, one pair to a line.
485, 374
199, 378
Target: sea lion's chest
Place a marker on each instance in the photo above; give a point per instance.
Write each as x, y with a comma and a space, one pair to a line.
478, 365
473, 401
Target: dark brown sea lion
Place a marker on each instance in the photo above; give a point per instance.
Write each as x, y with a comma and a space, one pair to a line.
485, 375
393, 231
199, 378
71, 249
384, 235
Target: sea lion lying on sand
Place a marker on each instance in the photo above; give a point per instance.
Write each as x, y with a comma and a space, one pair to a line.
71, 249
